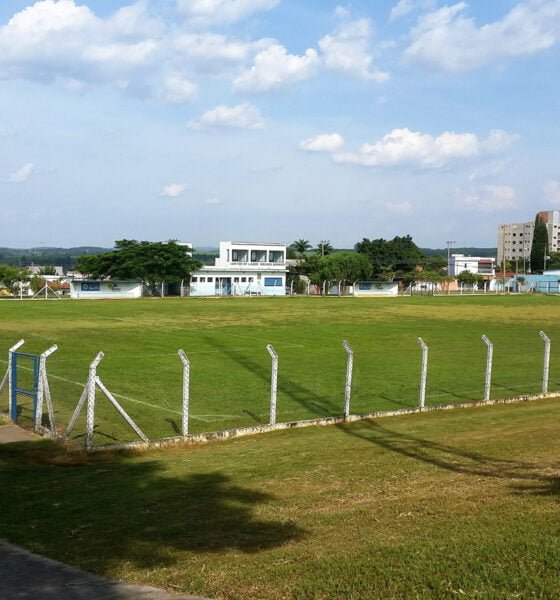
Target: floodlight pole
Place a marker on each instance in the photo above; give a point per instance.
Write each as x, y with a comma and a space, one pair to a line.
348, 386
489, 358
546, 367
423, 374
273, 383
186, 390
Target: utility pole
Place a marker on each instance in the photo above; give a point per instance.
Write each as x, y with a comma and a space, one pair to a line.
448, 245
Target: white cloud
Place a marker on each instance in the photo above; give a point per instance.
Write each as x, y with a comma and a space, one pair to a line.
446, 39
206, 12
173, 190
213, 201
274, 67
403, 209
402, 147
347, 49
551, 189
405, 7
176, 89
242, 116
323, 142
213, 52
22, 174
488, 198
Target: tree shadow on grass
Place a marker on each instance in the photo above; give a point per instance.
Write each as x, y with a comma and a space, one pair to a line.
108, 509
525, 477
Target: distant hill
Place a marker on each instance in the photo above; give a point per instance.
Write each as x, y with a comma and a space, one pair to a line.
470, 251
46, 256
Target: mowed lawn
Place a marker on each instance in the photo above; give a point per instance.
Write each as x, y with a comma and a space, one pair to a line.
455, 504
226, 340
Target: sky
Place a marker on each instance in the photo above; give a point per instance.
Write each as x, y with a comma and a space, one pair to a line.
276, 120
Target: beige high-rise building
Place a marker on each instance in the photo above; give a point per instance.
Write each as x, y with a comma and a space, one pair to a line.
515, 239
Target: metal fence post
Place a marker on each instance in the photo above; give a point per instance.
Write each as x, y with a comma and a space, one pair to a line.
489, 358
423, 374
90, 411
546, 366
10, 376
44, 390
186, 390
348, 386
273, 383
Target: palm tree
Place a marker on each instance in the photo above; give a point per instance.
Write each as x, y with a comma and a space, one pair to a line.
324, 247
301, 246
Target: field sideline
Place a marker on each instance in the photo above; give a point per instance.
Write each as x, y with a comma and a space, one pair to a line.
225, 340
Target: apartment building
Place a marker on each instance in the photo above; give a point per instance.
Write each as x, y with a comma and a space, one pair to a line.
515, 239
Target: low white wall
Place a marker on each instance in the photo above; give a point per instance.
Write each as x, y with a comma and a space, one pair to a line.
91, 290
376, 288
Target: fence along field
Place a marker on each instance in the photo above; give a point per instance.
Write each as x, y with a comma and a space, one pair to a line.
230, 368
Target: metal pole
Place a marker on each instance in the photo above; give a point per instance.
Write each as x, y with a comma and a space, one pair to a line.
186, 390
348, 386
489, 358
11, 399
90, 411
424, 373
41, 390
546, 366
273, 383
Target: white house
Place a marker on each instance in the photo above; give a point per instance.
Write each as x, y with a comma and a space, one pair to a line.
485, 266
243, 269
86, 289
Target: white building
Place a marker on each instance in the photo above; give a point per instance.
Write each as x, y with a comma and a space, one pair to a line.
479, 265
515, 239
243, 268
85, 289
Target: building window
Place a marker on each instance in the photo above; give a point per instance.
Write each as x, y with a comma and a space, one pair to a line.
258, 255
239, 255
202, 279
251, 279
272, 281
209, 279
236, 280
276, 256
194, 279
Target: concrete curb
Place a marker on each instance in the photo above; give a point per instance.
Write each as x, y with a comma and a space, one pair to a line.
29, 576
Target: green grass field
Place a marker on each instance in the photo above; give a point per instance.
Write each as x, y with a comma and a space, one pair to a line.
455, 504
225, 340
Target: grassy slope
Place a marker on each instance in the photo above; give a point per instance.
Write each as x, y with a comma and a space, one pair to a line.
225, 340
441, 505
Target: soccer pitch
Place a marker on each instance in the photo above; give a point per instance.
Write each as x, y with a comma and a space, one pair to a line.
225, 340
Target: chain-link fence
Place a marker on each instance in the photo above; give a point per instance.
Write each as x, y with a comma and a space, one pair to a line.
125, 397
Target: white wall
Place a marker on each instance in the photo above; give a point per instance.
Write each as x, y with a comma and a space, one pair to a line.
105, 289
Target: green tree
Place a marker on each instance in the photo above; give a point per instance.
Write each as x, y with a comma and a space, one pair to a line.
398, 254
11, 276
151, 262
324, 248
554, 260
468, 278
47, 270
345, 266
539, 248
301, 246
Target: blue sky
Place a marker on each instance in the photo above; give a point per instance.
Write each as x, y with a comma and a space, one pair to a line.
273, 120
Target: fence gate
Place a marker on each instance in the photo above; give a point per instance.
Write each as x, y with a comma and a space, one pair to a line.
25, 382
